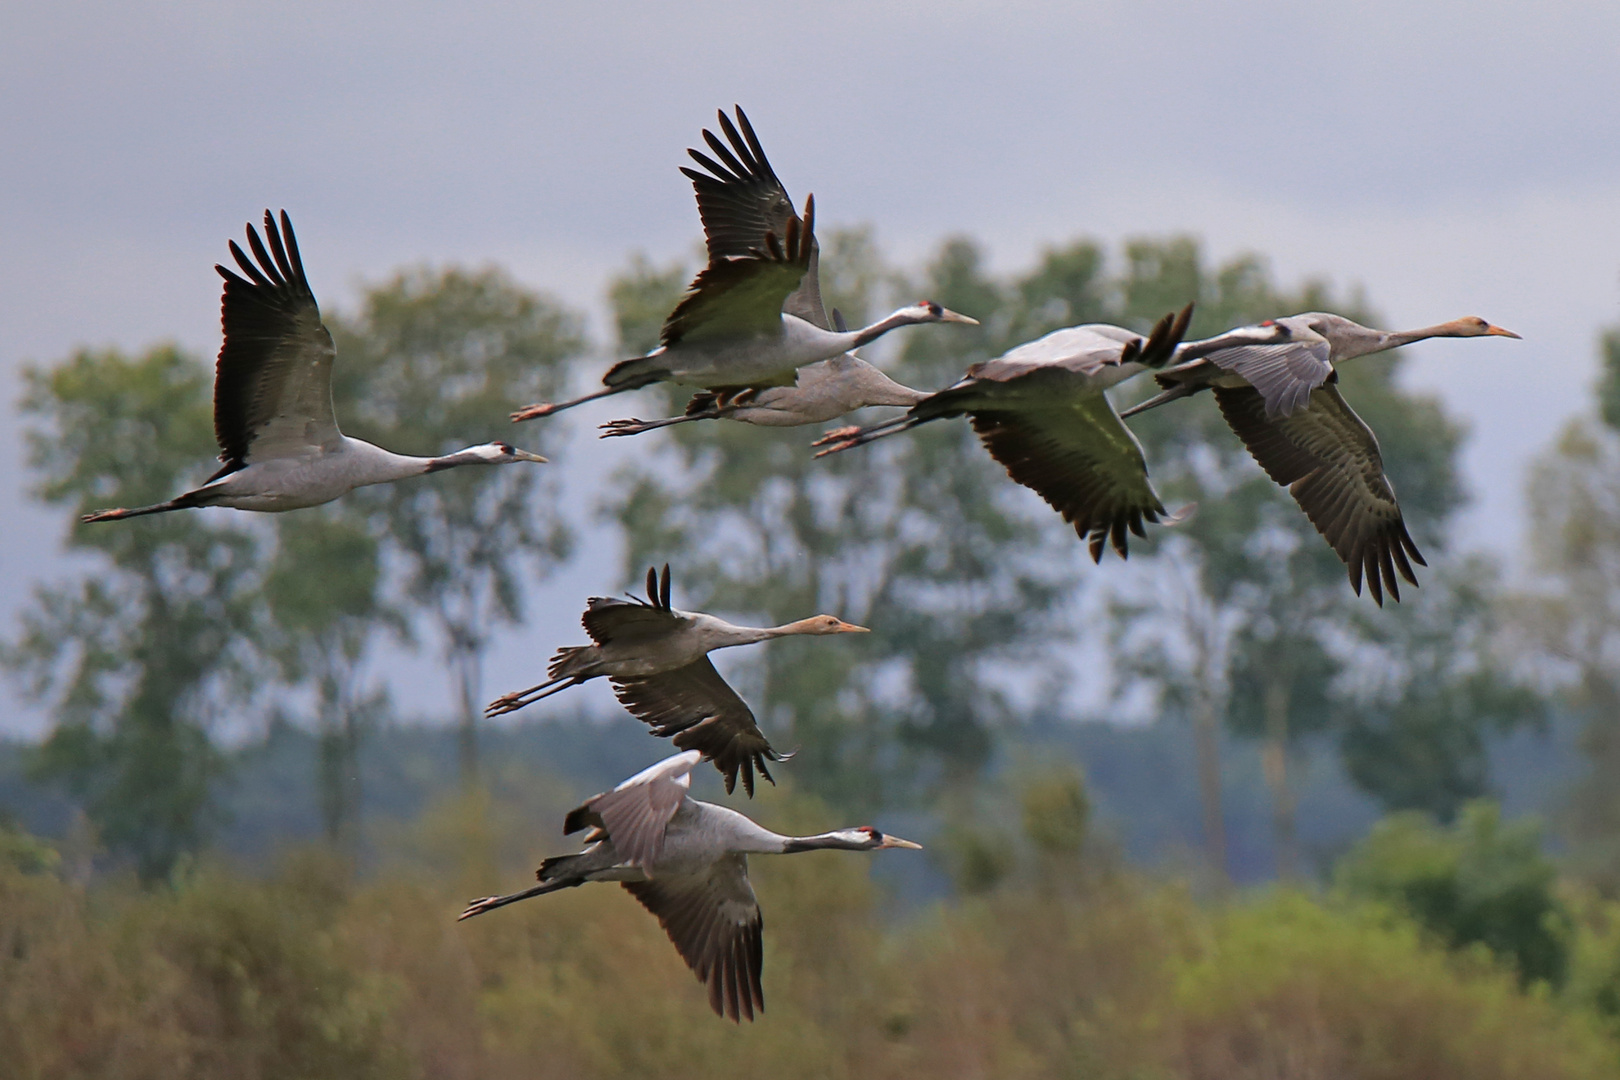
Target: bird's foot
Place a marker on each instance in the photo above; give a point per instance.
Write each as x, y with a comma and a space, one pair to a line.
836, 447
623, 427
504, 704
478, 907
533, 412
837, 434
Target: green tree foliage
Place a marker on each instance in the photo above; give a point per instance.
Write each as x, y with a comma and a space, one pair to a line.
1252, 621
434, 362
139, 656
1477, 881
324, 593
301, 971
1424, 692
1609, 382
1574, 497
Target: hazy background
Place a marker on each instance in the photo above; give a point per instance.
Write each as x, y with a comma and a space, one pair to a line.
1451, 158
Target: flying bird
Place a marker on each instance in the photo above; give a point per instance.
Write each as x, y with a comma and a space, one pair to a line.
741, 202
1277, 387
748, 320
657, 660
686, 861
1041, 411
273, 416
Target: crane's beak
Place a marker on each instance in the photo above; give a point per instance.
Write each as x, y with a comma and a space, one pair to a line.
895, 841
524, 455
947, 315
850, 628
1497, 331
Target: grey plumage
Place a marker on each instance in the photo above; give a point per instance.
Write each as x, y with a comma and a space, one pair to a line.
1277, 387
1040, 411
273, 416
686, 862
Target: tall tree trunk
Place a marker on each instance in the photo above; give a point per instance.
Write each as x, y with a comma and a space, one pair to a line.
1274, 763
1206, 741
466, 662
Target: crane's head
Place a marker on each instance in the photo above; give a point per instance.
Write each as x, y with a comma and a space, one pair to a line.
871, 839
828, 624
1474, 326
926, 311
500, 453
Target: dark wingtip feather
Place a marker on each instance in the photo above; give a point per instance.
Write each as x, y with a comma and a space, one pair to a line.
652, 585
663, 591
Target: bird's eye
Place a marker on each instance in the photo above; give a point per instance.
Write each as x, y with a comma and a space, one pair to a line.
505, 448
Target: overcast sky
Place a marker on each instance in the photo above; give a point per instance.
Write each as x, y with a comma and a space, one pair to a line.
1451, 158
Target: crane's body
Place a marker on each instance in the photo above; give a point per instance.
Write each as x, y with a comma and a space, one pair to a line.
273, 415
1040, 409
686, 862
753, 316
1277, 387
657, 658
822, 391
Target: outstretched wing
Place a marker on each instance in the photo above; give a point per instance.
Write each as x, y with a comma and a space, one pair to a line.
1082, 459
1328, 459
740, 296
1284, 373
697, 707
635, 814
610, 619
714, 921
273, 382
741, 201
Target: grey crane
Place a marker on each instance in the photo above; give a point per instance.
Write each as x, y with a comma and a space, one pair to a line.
1040, 409
748, 320
273, 416
741, 202
1276, 385
657, 660
686, 862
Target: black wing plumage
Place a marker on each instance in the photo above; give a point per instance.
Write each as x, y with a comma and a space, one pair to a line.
696, 707
714, 921
273, 381
1328, 458
741, 201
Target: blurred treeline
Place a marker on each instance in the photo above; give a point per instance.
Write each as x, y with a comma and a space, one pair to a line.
1446, 942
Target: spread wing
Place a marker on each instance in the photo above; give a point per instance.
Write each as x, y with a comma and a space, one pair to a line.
714, 920
610, 619
273, 382
741, 201
1082, 459
1284, 373
1328, 459
696, 706
742, 296
635, 814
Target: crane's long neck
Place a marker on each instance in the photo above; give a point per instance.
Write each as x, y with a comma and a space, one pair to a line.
1406, 337
868, 334
839, 840
885, 391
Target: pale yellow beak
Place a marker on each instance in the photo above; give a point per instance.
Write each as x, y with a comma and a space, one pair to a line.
849, 628
947, 315
1497, 331
895, 841
524, 455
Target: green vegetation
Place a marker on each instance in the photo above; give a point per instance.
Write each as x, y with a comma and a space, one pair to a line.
1450, 943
